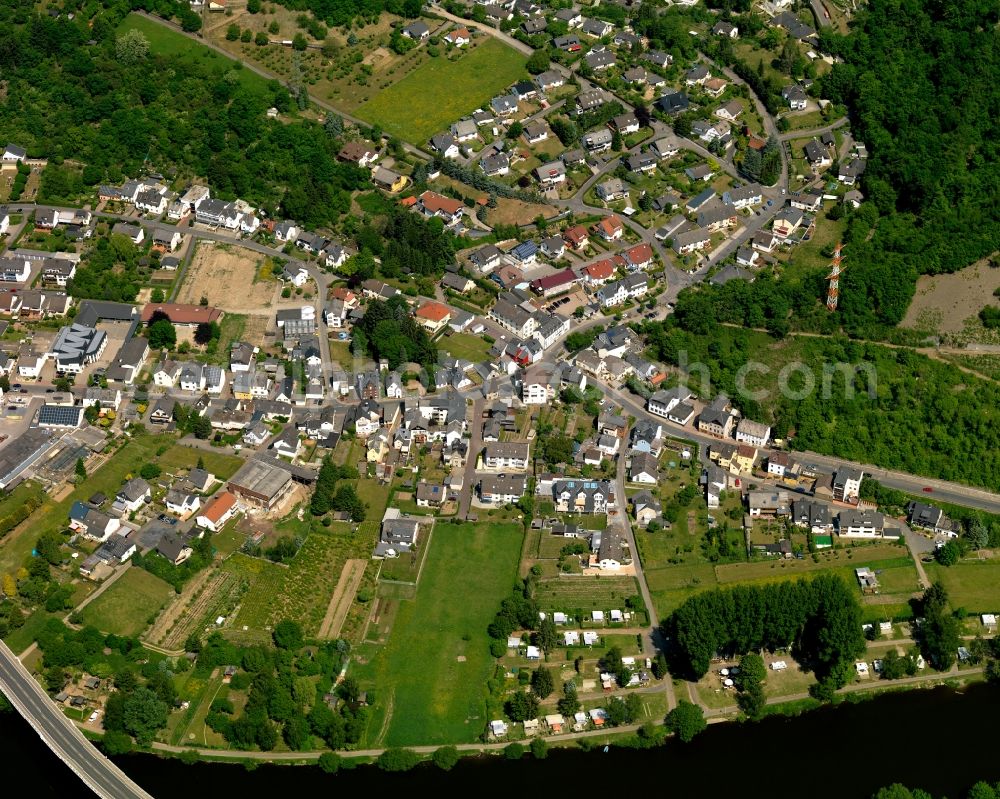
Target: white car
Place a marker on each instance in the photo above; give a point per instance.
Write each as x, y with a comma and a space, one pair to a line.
94, 715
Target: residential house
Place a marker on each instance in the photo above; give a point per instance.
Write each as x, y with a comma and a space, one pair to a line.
673, 103
583, 496
779, 463
795, 96
433, 316
726, 29
610, 228
768, 504
358, 152
847, 484
697, 75
416, 30
860, 524
612, 189
754, 433
576, 237
597, 141
730, 111
551, 174
717, 417
817, 155
691, 241
643, 469
506, 455
786, 222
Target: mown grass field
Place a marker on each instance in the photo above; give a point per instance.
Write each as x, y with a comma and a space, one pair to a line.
167, 42
467, 346
972, 585
218, 463
429, 678
128, 605
440, 91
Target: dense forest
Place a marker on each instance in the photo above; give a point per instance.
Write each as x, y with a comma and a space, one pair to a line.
928, 114
819, 620
345, 12
74, 92
919, 78
923, 416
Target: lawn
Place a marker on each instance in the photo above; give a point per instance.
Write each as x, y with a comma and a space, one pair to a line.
218, 463
167, 42
807, 256
127, 607
972, 585
466, 346
431, 675
437, 93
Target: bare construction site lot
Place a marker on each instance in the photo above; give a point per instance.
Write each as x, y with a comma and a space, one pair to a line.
229, 277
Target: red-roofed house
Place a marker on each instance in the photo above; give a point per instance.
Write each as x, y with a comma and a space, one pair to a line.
458, 37
557, 283
346, 296
599, 272
407, 202
179, 314
433, 316
576, 237
611, 228
639, 257
430, 203
220, 510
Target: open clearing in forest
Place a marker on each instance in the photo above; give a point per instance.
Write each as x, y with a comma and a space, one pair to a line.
943, 303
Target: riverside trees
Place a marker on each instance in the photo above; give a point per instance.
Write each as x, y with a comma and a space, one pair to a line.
820, 619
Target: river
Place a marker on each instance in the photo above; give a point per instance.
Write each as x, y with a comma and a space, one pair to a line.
938, 740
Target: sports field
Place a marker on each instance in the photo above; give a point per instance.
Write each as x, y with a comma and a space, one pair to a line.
441, 91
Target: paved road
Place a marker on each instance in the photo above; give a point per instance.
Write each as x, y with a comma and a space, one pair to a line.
803, 134
651, 634
62, 736
945, 491
469, 481
822, 20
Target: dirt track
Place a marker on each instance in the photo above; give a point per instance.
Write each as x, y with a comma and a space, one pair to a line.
343, 596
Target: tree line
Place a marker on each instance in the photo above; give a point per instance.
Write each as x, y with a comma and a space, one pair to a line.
819, 620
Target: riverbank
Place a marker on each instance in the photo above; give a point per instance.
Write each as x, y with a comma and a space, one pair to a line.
621, 737
779, 756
